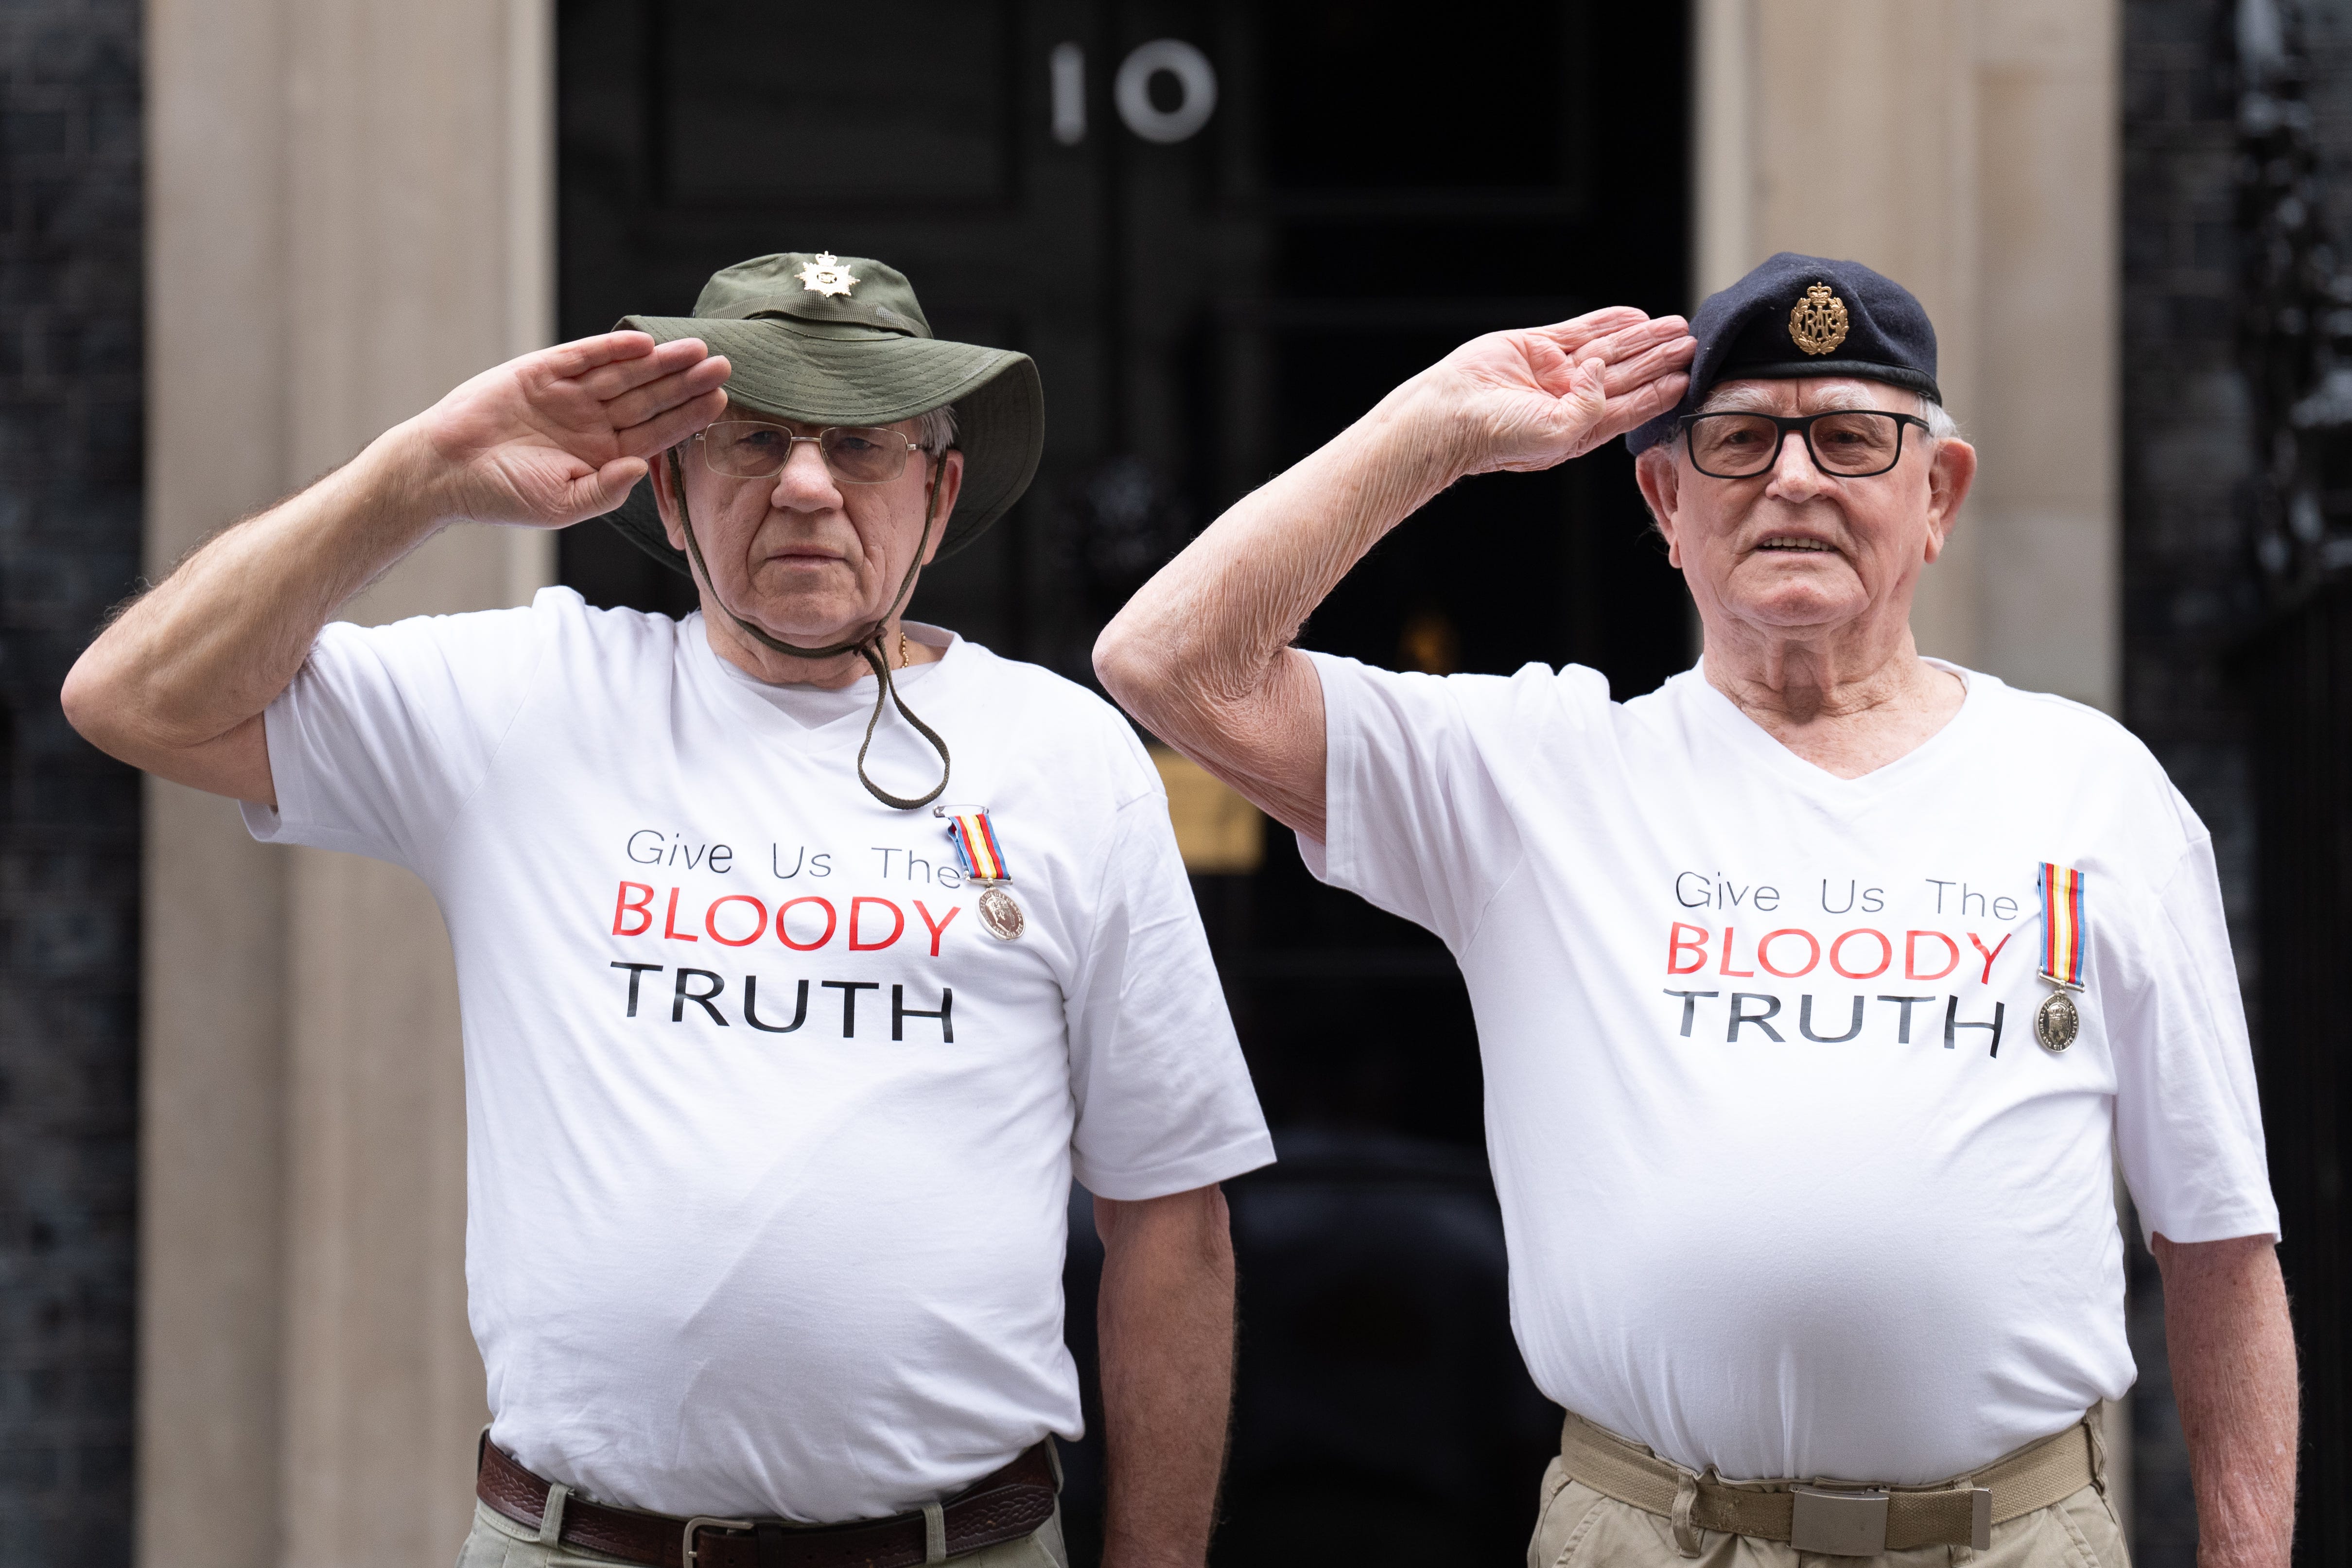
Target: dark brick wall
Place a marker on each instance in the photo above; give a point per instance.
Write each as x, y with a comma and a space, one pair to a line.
70, 452
2193, 593
2187, 587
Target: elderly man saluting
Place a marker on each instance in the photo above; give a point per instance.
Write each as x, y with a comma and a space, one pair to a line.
788, 1016
1816, 990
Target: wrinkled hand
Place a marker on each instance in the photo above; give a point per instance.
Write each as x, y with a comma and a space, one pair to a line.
563, 434
1523, 401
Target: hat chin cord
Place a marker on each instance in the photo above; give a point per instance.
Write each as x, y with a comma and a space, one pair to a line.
867, 643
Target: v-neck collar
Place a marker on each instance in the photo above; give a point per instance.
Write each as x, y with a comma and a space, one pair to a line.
1757, 741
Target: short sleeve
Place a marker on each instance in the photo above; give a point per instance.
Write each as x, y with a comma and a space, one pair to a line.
1163, 1097
2187, 1117
1412, 820
387, 731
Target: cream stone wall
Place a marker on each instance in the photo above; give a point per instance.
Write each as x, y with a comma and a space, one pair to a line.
349, 211
1967, 148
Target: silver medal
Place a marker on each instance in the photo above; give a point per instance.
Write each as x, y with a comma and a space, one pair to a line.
2056, 1022
1004, 920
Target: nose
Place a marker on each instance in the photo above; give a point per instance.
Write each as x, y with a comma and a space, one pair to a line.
1795, 475
805, 483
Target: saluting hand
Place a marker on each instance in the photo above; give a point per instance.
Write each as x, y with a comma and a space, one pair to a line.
555, 437
1529, 400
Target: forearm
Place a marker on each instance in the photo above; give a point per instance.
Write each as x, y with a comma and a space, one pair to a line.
219, 639
1166, 1327
1203, 655
1205, 629
2231, 1352
177, 684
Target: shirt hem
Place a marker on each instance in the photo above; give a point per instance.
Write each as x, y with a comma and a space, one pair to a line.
2218, 1228
1221, 1164
268, 826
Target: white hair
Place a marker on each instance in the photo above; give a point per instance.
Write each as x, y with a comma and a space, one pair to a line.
938, 431
1941, 426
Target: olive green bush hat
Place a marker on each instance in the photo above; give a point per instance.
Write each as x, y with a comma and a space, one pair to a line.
841, 341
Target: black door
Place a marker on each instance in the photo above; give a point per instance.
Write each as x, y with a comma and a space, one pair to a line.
1223, 230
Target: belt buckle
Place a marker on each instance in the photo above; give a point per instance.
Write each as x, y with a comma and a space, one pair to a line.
702, 1521
1838, 1524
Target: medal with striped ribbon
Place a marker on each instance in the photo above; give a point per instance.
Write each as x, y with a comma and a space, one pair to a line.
2058, 1021
982, 858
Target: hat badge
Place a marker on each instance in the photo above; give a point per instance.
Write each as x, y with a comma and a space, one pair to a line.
826, 275
1818, 324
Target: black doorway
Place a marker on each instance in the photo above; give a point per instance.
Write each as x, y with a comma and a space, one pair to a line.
1208, 297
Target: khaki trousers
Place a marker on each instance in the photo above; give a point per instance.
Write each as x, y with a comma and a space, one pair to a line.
1576, 1526
498, 1542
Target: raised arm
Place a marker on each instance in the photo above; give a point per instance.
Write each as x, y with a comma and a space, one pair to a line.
1203, 654
177, 684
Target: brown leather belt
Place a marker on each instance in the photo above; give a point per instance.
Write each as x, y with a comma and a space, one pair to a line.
1003, 1506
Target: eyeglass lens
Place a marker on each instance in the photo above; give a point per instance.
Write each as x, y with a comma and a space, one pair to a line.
1852, 445
858, 454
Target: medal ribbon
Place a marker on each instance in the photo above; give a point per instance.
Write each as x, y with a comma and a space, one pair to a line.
2062, 925
975, 845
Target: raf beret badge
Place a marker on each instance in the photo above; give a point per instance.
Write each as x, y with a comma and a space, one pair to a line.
1818, 324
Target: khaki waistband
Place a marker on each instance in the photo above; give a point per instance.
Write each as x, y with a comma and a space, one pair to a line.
1836, 1516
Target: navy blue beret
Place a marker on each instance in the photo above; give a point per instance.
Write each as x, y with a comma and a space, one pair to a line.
1804, 315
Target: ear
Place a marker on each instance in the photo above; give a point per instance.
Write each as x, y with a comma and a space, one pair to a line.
666, 498
950, 484
1949, 478
1661, 477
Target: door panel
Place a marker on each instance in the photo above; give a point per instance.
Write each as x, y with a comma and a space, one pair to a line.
809, 107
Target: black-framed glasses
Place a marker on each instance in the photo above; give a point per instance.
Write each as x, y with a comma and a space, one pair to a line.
1849, 443
855, 454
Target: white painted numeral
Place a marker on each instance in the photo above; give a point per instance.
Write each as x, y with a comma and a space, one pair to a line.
1069, 64
1131, 89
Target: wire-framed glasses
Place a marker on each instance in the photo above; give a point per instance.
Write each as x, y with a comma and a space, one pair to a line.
1851, 443
855, 454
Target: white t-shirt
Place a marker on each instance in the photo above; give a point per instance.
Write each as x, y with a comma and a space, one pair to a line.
771, 1221
1763, 1213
